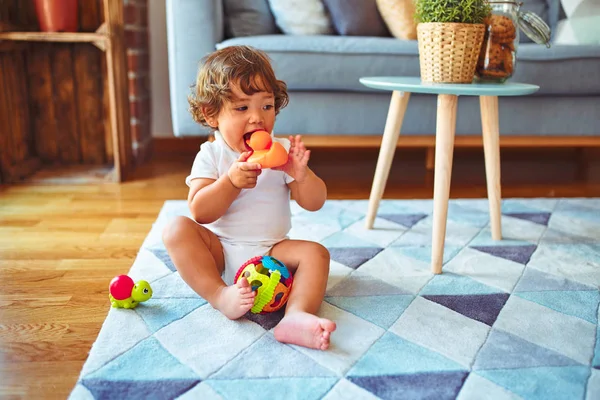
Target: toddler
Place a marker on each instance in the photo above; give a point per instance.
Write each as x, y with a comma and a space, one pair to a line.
241, 211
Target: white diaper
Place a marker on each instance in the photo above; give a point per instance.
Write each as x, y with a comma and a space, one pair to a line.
236, 254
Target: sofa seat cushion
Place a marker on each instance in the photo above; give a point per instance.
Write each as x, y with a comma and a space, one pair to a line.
337, 62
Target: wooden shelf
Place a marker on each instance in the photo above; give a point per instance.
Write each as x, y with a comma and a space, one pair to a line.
98, 38
53, 36
109, 38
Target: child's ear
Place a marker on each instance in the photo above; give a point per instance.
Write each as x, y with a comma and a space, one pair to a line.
212, 121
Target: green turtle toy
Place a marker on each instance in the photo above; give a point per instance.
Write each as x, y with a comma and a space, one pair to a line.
123, 293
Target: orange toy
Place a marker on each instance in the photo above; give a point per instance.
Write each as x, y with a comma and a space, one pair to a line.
266, 152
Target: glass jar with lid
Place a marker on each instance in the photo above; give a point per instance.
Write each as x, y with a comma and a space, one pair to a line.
498, 56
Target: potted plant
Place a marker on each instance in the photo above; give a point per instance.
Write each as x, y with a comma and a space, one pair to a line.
450, 34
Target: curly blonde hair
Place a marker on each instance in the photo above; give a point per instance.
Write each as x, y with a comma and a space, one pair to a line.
246, 66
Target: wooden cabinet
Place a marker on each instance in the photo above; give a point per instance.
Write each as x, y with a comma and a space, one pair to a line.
64, 110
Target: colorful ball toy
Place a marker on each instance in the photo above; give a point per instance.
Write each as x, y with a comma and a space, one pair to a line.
271, 280
123, 293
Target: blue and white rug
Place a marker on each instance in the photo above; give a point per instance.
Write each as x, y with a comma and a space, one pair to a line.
506, 320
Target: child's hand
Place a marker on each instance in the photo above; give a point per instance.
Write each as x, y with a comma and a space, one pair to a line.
297, 163
243, 175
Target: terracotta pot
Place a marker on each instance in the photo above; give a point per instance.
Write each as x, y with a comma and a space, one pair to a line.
57, 15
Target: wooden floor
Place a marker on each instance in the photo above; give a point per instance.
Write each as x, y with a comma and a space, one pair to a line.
61, 245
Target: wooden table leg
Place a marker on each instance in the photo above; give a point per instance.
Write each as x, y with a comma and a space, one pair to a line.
444, 149
491, 148
386, 152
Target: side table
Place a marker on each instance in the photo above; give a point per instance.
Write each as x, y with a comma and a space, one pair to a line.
447, 93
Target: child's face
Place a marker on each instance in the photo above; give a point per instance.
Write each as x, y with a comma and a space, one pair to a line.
243, 115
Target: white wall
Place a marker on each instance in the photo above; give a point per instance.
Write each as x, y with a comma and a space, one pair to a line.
159, 73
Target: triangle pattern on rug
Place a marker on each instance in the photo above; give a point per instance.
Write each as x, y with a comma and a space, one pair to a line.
415, 359
539, 205
383, 311
346, 240
201, 391
364, 285
106, 348
434, 385
518, 254
480, 307
334, 215
162, 312
135, 368
407, 220
580, 304
423, 253
163, 256
139, 363
142, 390
534, 280
505, 350
541, 383
353, 257
450, 283
277, 361
273, 388
540, 218
172, 286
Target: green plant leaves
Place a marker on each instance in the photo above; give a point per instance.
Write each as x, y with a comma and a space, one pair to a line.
462, 11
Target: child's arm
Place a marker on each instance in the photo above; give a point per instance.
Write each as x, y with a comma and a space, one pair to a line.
209, 199
311, 193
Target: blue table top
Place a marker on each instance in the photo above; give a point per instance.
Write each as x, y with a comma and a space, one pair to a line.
414, 85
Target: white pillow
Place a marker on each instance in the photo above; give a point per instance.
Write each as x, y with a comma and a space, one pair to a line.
582, 25
301, 17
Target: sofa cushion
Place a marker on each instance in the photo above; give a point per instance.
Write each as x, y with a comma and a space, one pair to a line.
356, 17
248, 18
581, 24
399, 17
301, 17
337, 62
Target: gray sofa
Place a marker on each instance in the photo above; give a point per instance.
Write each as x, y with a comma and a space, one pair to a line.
326, 97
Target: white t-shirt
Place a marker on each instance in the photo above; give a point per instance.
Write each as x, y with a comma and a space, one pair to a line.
260, 215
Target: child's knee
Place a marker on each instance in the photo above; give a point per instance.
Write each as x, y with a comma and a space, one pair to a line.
177, 229
322, 254
322, 251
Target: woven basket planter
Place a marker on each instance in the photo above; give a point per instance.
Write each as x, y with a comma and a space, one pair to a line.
448, 52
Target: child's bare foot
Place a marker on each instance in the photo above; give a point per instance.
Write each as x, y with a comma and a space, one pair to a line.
305, 329
235, 300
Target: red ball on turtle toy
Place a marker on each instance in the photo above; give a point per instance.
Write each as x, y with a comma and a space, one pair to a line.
124, 293
272, 281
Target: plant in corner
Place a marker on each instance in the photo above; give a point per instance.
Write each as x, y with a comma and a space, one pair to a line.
450, 34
